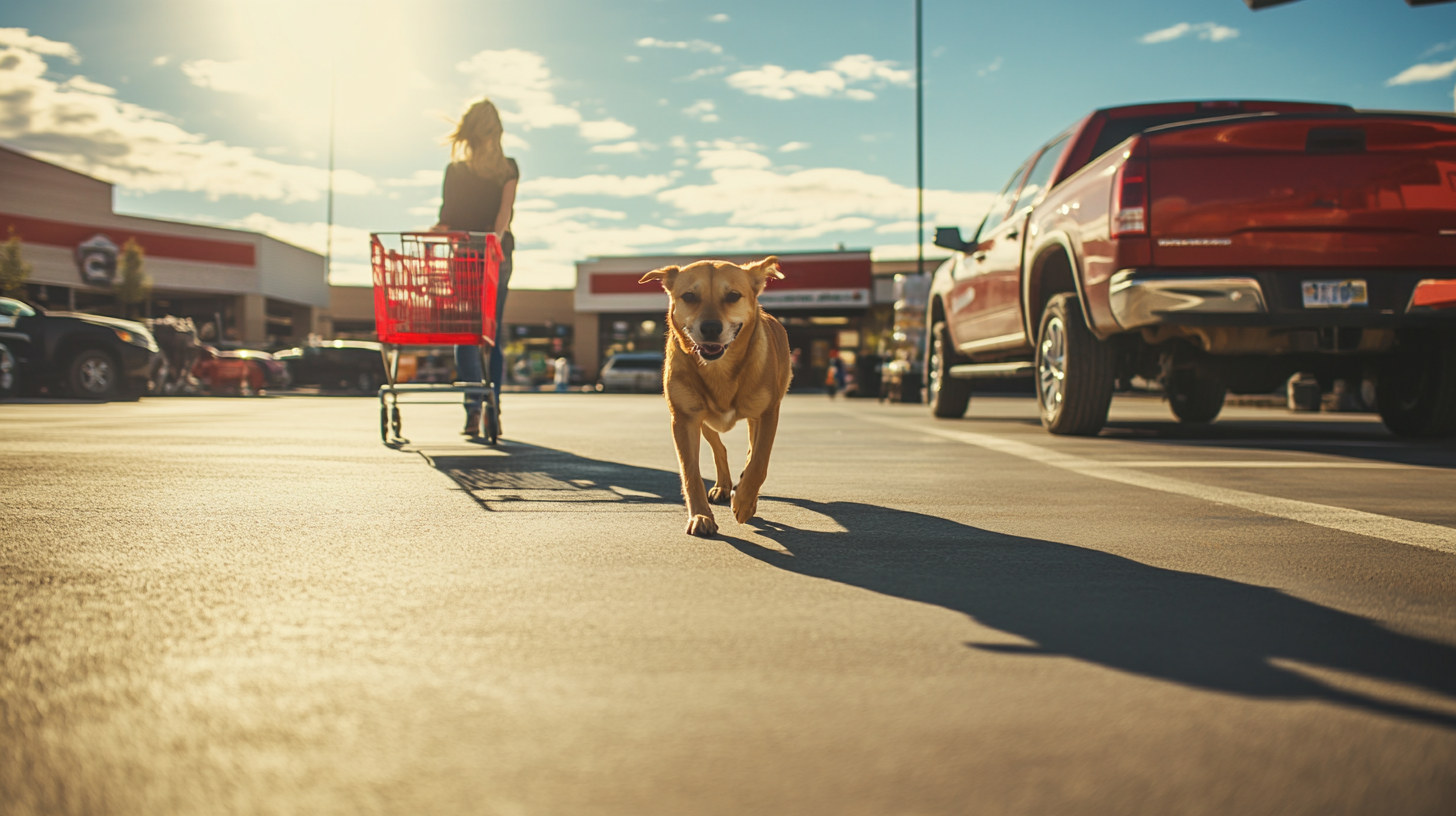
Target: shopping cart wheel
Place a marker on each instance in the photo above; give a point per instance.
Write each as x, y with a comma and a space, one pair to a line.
394, 420
490, 420
384, 424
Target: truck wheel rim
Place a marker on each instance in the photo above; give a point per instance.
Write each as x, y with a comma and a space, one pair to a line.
1051, 366
95, 375
7, 369
935, 373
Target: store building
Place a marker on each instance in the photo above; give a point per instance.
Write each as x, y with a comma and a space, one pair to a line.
236, 285
828, 301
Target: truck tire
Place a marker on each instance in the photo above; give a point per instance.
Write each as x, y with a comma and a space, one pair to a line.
1196, 397
1074, 371
948, 397
93, 374
1416, 386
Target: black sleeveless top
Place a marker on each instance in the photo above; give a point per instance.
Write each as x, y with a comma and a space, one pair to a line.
472, 203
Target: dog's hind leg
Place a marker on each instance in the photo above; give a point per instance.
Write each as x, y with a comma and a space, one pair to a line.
760, 444
723, 483
687, 438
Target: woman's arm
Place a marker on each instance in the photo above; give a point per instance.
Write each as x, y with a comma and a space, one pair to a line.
508, 203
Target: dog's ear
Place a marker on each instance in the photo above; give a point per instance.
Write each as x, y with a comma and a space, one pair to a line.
667, 274
762, 271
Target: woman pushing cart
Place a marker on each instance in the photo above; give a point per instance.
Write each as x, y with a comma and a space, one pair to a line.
478, 198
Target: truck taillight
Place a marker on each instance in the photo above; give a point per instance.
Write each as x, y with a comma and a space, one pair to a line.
1129, 211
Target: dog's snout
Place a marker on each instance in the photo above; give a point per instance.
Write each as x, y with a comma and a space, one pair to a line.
711, 329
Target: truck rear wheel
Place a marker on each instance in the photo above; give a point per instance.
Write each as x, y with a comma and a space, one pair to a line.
1195, 396
1416, 386
948, 397
1074, 371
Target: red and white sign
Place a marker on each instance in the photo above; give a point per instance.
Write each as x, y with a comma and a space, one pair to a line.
819, 280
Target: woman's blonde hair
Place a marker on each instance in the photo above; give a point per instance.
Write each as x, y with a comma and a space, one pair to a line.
477, 141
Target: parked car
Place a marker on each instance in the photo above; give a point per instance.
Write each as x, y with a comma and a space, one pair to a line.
632, 371
1212, 247
240, 371
81, 355
337, 365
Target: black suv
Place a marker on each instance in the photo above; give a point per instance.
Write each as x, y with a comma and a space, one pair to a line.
336, 365
81, 355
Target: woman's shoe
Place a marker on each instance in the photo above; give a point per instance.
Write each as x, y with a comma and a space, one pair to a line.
472, 423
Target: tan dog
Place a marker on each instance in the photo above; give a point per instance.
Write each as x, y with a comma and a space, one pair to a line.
727, 360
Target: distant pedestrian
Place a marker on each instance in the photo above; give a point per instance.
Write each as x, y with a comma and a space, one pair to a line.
479, 195
834, 375
563, 374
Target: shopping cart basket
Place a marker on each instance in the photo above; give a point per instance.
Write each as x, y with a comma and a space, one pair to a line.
434, 289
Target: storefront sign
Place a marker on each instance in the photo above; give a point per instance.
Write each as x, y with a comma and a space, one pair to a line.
96, 259
803, 298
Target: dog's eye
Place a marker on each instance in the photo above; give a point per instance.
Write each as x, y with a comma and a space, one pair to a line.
732, 297
689, 297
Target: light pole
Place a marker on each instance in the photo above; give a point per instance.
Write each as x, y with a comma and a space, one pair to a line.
919, 149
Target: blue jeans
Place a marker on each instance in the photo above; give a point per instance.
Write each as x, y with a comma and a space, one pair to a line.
467, 358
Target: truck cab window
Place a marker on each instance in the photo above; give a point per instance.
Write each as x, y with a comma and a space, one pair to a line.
1002, 206
1041, 174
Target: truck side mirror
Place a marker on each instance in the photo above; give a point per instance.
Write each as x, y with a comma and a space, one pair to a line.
950, 238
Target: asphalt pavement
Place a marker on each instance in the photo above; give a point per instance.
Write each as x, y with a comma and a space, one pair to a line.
252, 606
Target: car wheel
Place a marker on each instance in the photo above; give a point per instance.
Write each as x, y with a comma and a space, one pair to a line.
1073, 371
1195, 396
9, 372
947, 395
1416, 386
93, 374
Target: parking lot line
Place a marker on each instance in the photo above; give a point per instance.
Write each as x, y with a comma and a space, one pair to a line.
1374, 525
1217, 463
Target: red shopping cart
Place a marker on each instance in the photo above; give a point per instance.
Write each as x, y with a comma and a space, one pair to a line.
434, 289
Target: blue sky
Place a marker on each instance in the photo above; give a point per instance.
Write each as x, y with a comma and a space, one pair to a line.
648, 125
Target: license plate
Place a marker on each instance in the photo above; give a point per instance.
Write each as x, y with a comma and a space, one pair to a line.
1335, 294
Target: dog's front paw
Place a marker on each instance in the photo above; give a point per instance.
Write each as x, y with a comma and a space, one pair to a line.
745, 505
702, 526
720, 494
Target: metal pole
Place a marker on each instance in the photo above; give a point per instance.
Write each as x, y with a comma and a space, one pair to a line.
329, 238
919, 150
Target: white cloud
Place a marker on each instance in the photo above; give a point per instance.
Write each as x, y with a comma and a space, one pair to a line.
606, 130
1204, 31
718, 18
702, 110
82, 125
1424, 72
241, 76
790, 147
520, 85
863, 68
681, 45
711, 71
633, 58
598, 185
420, 178
22, 38
992, 68
619, 147
162, 60
777, 82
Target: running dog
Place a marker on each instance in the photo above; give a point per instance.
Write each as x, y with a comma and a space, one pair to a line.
727, 360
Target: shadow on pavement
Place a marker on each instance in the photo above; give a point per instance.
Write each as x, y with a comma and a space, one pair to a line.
519, 477
1197, 630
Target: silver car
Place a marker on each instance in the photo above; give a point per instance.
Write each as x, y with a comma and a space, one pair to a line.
632, 371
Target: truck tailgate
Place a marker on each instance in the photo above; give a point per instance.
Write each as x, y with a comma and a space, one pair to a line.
1335, 191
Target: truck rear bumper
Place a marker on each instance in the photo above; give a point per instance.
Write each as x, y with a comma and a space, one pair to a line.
1160, 297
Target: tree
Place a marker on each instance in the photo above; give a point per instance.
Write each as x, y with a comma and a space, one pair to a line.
133, 284
14, 271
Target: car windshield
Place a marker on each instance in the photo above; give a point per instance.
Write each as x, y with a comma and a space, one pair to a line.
14, 308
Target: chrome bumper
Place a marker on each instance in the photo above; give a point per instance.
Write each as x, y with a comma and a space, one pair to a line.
1136, 303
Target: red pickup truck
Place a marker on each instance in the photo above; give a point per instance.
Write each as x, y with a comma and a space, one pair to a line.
1212, 247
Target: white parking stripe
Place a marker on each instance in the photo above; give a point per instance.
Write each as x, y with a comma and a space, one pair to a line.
1402, 531
1260, 463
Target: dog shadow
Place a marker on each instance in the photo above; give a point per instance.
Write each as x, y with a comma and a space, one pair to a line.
1067, 601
